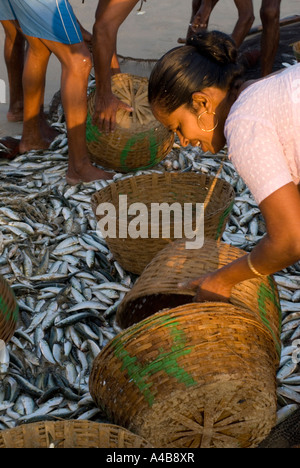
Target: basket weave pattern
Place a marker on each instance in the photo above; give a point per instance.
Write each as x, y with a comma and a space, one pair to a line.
70, 434
200, 375
157, 287
296, 50
135, 254
9, 311
139, 140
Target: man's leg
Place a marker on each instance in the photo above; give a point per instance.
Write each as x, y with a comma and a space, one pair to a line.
245, 20
34, 74
202, 14
270, 17
196, 4
201, 11
86, 35
76, 65
14, 53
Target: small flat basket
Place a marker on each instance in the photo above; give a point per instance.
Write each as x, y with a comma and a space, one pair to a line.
70, 434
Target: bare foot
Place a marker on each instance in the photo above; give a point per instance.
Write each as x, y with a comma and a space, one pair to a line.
28, 144
48, 132
87, 173
38, 139
15, 115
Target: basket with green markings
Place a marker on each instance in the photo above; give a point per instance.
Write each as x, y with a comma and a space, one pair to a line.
200, 375
139, 141
157, 287
9, 311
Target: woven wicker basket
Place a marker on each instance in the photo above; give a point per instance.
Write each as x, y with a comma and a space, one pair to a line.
183, 188
9, 311
157, 287
296, 50
70, 434
139, 140
200, 375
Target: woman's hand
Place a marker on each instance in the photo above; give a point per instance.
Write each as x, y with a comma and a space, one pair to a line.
208, 288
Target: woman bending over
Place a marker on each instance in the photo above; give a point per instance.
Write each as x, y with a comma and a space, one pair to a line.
198, 92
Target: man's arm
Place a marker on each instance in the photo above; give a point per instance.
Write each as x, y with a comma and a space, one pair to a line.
110, 14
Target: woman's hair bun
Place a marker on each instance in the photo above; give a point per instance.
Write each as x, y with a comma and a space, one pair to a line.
216, 46
209, 59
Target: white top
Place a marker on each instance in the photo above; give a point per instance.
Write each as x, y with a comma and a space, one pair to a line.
263, 133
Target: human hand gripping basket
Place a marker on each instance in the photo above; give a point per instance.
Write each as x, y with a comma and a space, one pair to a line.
157, 287
182, 189
200, 375
9, 311
70, 434
139, 141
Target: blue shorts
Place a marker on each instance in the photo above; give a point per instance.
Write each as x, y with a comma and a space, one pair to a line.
53, 20
6, 12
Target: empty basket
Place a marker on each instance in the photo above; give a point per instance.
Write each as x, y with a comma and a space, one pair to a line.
200, 375
139, 141
70, 434
183, 190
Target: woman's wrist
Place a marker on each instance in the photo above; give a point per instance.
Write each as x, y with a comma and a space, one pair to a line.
218, 283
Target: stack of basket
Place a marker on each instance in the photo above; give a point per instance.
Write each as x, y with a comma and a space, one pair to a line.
199, 375
139, 141
187, 374
9, 311
157, 287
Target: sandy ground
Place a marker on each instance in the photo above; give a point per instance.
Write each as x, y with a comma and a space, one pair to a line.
147, 35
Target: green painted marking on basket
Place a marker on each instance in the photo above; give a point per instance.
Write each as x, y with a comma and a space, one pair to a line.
265, 293
5, 311
132, 141
92, 131
222, 219
15, 313
165, 361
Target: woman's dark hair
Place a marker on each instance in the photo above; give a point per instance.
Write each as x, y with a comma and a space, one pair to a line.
208, 59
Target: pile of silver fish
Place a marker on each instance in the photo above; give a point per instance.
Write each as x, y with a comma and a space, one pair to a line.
69, 286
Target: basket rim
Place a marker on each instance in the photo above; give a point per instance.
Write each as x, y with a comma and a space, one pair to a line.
186, 311
166, 177
296, 46
138, 127
89, 426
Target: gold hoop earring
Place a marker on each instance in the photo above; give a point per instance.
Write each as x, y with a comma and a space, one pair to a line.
204, 129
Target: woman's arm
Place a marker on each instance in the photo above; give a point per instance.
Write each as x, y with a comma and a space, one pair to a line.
278, 249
